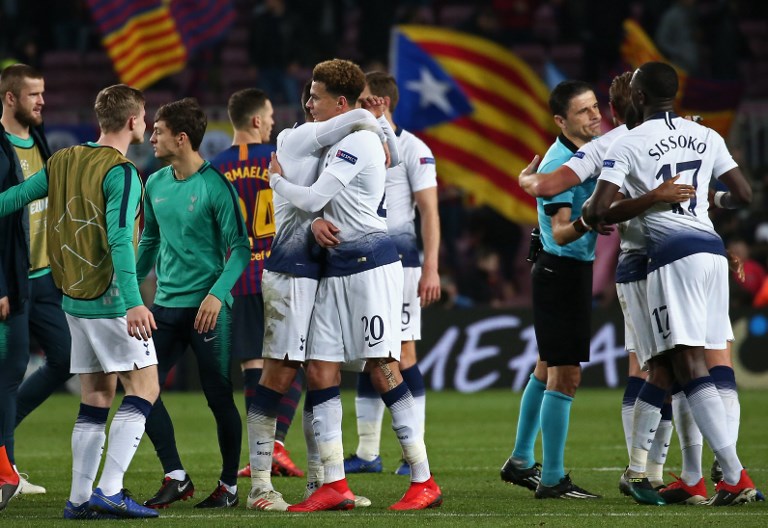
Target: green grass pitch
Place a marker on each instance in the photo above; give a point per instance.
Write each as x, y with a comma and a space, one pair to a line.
469, 436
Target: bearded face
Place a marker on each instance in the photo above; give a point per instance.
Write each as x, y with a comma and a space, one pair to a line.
28, 110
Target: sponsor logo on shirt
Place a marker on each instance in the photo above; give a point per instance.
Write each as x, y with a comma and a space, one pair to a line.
426, 161
609, 163
578, 154
346, 156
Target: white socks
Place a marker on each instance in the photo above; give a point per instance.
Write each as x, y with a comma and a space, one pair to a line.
326, 423
125, 433
261, 441
370, 412
87, 446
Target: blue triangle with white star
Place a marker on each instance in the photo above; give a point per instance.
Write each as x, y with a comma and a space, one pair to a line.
428, 94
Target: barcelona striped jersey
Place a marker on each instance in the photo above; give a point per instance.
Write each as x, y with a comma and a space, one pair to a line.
247, 168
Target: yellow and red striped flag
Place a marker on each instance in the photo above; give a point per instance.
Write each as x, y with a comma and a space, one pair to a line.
481, 109
715, 101
151, 39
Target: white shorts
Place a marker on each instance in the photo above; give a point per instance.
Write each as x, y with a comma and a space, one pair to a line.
288, 302
358, 316
410, 317
638, 336
688, 303
103, 345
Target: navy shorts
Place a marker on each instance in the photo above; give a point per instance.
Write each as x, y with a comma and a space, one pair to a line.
247, 327
562, 309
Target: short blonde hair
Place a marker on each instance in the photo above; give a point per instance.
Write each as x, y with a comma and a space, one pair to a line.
115, 105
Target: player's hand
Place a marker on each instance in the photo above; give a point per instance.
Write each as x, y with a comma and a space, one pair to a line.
672, 192
531, 168
141, 322
374, 104
736, 265
527, 178
274, 165
325, 232
207, 314
429, 287
5, 308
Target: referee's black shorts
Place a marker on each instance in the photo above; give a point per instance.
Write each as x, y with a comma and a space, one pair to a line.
562, 309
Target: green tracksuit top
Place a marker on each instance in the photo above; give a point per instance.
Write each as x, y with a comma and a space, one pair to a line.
189, 226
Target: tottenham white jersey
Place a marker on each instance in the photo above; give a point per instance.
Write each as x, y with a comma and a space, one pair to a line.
299, 151
655, 151
415, 173
358, 162
587, 163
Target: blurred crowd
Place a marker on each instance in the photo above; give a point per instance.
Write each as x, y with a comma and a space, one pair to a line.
483, 254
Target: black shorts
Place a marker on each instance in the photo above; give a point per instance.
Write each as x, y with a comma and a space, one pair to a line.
562, 309
247, 327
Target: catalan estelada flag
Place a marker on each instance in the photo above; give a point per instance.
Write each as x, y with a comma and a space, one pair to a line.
481, 109
151, 39
715, 101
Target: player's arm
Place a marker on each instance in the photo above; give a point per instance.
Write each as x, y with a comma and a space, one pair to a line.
596, 210
229, 218
122, 190
333, 130
311, 198
668, 192
393, 145
378, 106
543, 184
565, 230
149, 245
739, 191
18, 196
616, 166
429, 284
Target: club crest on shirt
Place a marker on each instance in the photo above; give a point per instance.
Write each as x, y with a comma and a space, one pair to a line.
346, 156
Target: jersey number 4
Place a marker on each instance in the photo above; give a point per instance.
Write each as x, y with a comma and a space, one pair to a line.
666, 173
262, 217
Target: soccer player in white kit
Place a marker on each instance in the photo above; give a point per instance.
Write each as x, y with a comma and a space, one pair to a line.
410, 184
289, 285
587, 163
687, 284
357, 311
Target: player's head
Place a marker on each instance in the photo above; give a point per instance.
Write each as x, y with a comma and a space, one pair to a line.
22, 88
336, 86
575, 109
304, 99
179, 126
250, 109
119, 107
620, 97
383, 85
654, 85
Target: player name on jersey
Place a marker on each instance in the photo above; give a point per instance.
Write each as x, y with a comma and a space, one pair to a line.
674, 142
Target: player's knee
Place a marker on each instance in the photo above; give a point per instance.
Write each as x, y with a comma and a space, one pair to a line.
407, 355
321, 376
